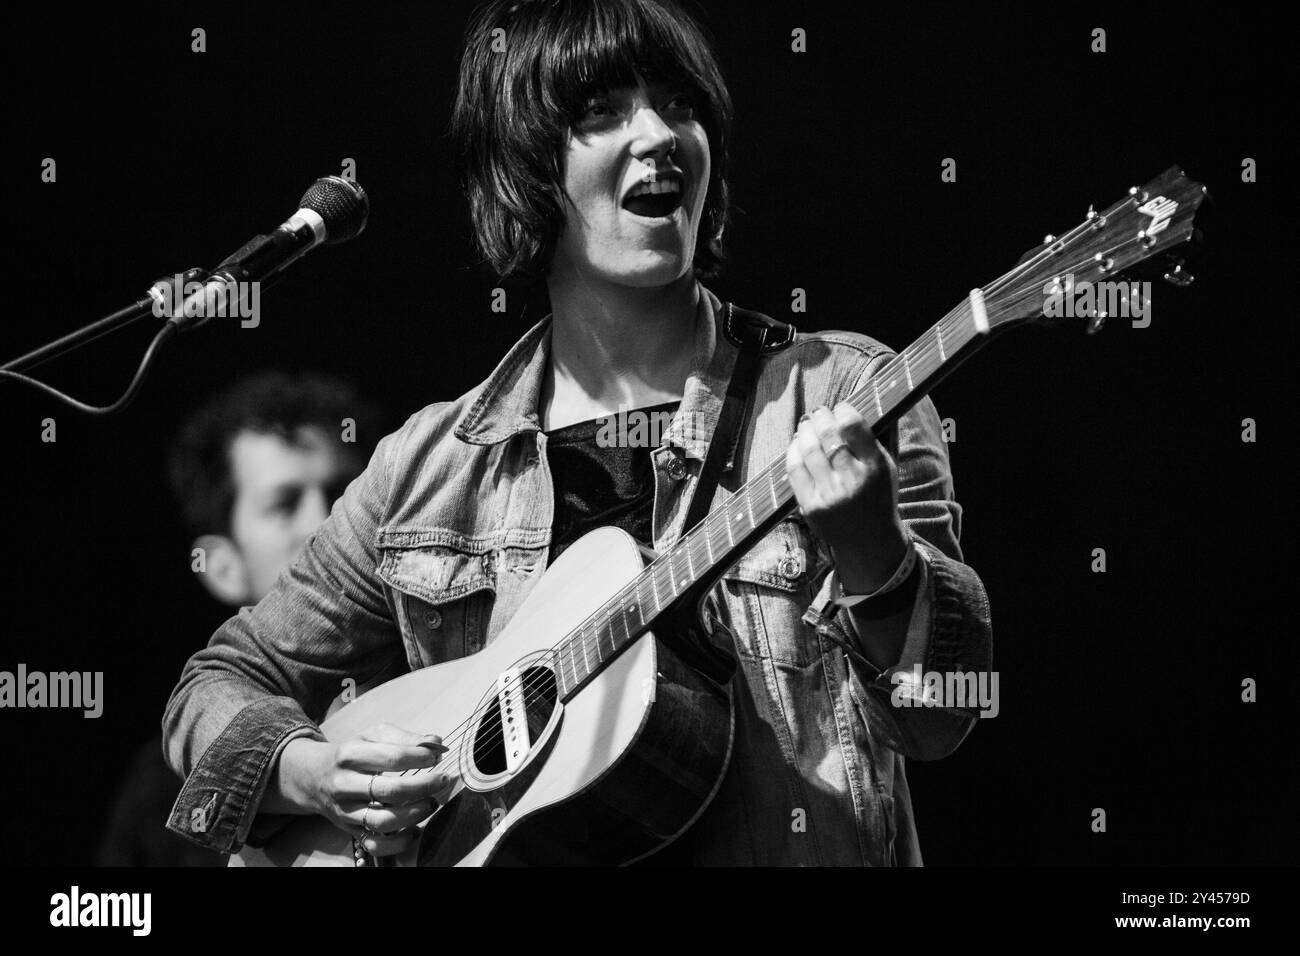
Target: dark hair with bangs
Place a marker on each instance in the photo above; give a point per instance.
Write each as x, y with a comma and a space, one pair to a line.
515, 108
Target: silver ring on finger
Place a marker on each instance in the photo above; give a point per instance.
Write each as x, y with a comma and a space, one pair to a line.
370, 791
365, 823
834, 448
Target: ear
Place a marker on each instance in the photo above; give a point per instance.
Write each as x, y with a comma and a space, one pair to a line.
224, 573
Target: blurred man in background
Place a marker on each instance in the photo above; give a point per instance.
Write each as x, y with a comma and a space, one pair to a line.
254, 472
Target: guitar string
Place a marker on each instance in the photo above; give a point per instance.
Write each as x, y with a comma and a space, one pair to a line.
568, 644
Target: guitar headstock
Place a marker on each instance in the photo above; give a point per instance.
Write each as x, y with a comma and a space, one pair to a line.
1152, 220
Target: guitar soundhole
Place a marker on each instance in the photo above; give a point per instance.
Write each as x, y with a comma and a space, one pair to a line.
493, 736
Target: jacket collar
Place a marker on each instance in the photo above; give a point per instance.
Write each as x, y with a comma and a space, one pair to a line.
508, 401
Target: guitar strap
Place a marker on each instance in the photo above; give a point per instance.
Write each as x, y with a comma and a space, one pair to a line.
755, 335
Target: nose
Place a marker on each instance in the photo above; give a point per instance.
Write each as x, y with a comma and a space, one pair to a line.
652, 137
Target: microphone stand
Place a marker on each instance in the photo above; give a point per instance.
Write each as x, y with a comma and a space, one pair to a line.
261, 261
173, 324
89, 333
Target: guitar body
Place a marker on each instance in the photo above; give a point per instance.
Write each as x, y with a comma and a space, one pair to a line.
613, 773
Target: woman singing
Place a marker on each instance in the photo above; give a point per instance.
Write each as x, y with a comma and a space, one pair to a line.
594, 136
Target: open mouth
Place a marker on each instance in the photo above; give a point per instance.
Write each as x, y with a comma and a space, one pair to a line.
652, 206
656, 200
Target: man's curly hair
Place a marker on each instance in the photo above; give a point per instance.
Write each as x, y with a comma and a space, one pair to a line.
275, 403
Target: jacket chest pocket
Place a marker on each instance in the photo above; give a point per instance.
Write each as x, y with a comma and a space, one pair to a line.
770, 588
442, 597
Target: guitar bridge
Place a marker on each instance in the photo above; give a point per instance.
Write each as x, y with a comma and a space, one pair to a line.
514, 722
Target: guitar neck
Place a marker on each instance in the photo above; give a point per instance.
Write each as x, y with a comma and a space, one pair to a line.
704, 553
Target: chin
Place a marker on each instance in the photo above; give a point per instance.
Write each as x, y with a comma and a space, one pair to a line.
660, 270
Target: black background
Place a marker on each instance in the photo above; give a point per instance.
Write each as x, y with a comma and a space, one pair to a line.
1118, 690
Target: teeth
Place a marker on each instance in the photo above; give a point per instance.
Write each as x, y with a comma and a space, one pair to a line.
656, 188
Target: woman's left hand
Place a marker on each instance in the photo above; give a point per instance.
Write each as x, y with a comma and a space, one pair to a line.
847, 488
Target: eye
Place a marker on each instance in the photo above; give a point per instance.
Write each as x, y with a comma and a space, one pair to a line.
683, 104
285, 503
596, 110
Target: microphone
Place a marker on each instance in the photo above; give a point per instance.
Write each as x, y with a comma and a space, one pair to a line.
331, 211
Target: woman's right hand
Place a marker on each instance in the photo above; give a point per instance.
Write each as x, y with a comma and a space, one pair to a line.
338, 780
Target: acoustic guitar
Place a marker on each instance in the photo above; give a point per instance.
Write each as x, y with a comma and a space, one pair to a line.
598, 724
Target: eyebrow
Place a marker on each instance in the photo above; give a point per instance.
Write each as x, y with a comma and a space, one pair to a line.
336, 484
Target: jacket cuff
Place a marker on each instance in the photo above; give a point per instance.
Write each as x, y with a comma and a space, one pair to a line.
823, 613
218, 802
948, 631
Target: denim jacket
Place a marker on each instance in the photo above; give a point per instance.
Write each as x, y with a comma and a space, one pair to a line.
429, 553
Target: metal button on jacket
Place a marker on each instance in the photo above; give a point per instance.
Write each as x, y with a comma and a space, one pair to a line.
791, 565
676, 468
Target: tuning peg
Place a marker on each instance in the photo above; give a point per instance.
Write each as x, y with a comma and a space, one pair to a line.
1048, 239
1178, 277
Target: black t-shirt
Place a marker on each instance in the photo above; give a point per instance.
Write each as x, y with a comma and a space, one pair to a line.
598, 484
601, 482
